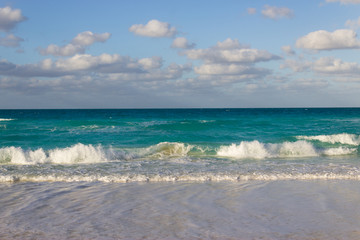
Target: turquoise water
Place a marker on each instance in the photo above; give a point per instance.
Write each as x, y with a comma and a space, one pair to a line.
117, 145
180, 174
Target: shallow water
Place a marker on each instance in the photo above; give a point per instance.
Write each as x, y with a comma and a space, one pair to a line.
243, 210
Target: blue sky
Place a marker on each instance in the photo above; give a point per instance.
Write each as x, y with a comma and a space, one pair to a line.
165, 54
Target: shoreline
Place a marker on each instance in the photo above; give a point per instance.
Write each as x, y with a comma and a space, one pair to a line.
283, 209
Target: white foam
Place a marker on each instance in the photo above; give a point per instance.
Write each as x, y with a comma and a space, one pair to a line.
253, 149
12, 155
202, 177
257, 150
78, 153
339, 151
172, 151
343, 138
6, 119
293, 149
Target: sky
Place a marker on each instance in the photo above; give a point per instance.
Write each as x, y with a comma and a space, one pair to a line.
179, 54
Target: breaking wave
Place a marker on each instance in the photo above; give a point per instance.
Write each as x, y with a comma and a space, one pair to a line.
343, 138
6, 119
81, 153
258, 150
78, 153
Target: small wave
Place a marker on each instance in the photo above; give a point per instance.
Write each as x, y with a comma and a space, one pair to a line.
168, 149
206, 121
201, 177
89, 127
6, 119
343, 138
257, 150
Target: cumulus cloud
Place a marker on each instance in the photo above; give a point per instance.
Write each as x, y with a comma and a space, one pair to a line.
181, 42
88, 38
154, 28
171, 72
277, 12
296, 65
77, 45
229, 62
85, 64
330, 65
10, 40
9, 18
230, 44
244, 56
67, 50
231, 69
151, 63
324, 40
345, 1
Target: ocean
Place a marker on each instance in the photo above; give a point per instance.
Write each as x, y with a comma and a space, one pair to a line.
180, 174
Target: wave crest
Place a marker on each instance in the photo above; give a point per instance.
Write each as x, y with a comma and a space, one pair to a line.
6, 119
169, 149
257, 150
78, 153
343, 138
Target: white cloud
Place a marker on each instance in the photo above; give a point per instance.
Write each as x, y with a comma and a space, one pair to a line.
88, 38
88, 65
353, 24
67, 50
9, 18
288, 50
154, 28
181, 42
296, 65
230, 51
10, 40
228, 69
85, 62
251, 11
229, 62
324, 40
331, 66
230, 44
212, 55
171, 72
151, 63
76, 46
221, 69
277, 12
345, 1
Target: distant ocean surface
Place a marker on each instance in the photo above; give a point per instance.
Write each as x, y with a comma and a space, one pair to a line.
126, 156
